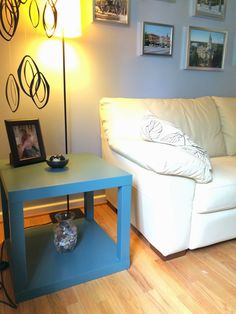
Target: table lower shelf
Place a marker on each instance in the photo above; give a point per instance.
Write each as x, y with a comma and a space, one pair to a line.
48, 271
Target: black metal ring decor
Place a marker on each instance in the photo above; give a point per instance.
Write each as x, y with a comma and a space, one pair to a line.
33, 82
39, 87
34, 13
26, 72
12, 93
51, 9
9, 18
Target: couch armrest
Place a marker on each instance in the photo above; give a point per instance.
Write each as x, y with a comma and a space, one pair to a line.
162, 159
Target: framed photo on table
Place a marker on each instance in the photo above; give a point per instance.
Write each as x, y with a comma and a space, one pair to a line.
157, 39
26, 142
209, 8
205, 49
111, 11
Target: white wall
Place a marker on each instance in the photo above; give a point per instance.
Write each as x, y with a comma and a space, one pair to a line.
114, 69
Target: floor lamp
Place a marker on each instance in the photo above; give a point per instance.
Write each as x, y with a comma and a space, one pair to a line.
65, 109
69, 25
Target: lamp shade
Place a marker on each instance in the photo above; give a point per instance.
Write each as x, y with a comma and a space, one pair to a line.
68, 18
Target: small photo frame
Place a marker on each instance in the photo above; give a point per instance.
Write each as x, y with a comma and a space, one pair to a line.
205, 49
157, 39
26, 142
111, 11
210, 8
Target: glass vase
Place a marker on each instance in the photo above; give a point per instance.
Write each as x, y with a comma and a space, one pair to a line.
65, 232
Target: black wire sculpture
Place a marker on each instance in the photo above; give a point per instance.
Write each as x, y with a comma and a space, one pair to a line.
33, 82
9, 18
34, 13
50, 8
26, 72
39, 83
10, 14
12, 93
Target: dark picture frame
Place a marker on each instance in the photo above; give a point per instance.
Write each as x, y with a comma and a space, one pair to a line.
206, 49
111, 11
157, 39
26, 142
215, 9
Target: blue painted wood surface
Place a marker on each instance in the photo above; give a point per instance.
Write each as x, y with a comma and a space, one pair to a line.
36, 267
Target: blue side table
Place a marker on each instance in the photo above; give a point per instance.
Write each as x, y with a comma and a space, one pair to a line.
36, 267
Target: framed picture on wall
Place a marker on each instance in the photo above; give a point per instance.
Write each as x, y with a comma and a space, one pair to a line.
111, 11
210, 8
157, 39
26, 142
205, 49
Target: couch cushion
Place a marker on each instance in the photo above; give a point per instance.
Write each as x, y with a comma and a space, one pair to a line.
197, 117
163, 159
227, 111
220, 194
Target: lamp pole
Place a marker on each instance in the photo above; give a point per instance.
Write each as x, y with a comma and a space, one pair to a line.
68, 23
64, 93
65, 107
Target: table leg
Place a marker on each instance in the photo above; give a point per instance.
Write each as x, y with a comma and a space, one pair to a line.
5, 214
89, 205
123, 223
17, 246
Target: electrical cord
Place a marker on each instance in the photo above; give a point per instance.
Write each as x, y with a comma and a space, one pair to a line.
4, 265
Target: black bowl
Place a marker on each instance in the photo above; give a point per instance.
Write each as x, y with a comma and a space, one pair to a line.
58, 163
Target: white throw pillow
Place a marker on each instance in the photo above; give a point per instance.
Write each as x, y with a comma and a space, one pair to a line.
164, 132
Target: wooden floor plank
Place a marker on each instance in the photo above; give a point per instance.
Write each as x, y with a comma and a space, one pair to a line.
202, 281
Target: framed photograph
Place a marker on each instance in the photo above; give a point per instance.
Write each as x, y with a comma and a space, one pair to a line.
205, 49
210, 8
116, 11
26, 142
157, 39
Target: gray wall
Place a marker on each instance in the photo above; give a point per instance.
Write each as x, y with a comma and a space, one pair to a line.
116, 70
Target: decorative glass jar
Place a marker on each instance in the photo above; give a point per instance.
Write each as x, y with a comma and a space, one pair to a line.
65, 232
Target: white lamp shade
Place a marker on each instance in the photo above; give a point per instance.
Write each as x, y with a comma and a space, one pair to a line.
68, 18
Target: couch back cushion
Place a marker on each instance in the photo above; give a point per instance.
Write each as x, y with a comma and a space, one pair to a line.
198, 118
121, 117
227, 111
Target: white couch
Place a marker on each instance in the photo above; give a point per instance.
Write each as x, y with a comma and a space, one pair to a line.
175, 211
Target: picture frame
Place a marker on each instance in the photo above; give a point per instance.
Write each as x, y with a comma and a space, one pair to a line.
205, 49
215, 9
111, 11
157, 39
26, 142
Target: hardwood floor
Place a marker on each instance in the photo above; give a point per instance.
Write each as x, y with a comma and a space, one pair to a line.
202, 281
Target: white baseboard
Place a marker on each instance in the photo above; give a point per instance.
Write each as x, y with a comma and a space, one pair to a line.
46, 208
